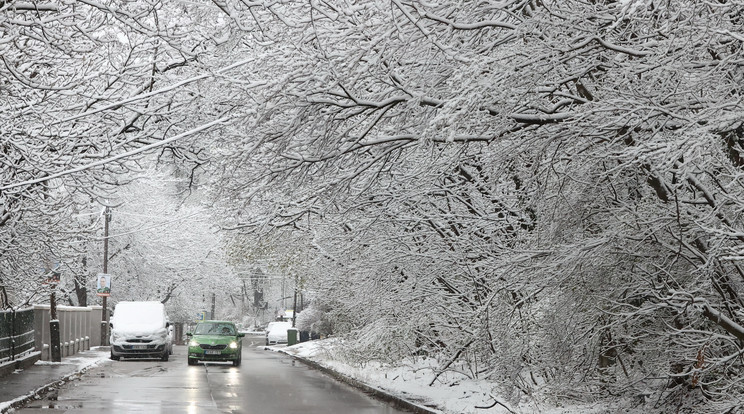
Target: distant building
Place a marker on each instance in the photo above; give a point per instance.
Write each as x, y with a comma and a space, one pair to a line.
286, 316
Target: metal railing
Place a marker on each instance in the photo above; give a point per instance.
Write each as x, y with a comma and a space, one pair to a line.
16, 333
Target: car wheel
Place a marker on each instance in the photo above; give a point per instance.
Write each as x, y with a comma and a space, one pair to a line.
114, 357
236, 363
192, 361
165, 355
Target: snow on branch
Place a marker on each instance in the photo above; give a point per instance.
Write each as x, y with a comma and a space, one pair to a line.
540, 119
174, 86
28, 6
470, 26
120, 156
724, 322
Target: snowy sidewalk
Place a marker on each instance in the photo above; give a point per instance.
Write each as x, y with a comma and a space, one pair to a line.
409, 403
24, 385
416, 384
311, 353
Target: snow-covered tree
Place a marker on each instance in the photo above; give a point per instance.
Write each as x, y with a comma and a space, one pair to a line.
544, 193
559, 178
85, 88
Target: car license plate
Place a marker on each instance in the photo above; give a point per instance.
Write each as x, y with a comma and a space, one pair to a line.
212, 352
139, 346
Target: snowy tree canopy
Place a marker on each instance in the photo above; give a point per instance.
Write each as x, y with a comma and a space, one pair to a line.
546, 192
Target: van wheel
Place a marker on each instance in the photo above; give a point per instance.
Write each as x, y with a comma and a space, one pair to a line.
165, 355
114, 357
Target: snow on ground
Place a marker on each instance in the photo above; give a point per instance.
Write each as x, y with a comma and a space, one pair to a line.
77, 363
83, 360
412, 383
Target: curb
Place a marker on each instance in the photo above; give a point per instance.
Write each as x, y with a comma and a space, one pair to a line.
366, 388
39, 393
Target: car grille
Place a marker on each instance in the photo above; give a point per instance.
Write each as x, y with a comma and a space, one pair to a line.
139, 341
126, 348
207, 346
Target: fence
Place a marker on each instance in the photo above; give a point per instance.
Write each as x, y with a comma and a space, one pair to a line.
79, 329
16, 334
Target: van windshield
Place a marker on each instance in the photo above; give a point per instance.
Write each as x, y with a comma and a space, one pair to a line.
138, 316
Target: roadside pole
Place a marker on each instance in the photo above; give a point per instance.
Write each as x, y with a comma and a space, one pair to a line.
104, 311
54, 338
293, 333
55, 346
294, 305
211, 316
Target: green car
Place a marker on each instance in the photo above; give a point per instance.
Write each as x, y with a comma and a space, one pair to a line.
215, 341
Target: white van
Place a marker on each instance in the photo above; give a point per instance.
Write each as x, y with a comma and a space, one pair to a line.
140, 330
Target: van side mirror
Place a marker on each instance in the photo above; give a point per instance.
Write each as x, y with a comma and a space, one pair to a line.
189, 334
241, 334
111, 325
167, 324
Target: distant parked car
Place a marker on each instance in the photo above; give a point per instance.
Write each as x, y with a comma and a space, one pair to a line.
267, 329
215, 341
276, 332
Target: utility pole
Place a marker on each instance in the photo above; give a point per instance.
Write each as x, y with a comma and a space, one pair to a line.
104, 312
54, 335
243, 294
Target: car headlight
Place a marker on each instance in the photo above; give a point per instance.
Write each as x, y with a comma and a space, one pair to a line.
193, 343
234, 345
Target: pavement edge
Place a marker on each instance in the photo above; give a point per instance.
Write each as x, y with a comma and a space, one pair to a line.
368, 389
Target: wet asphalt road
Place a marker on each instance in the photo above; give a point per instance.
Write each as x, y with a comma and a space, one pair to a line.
265, 383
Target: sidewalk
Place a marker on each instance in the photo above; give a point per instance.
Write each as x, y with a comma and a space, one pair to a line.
23, 385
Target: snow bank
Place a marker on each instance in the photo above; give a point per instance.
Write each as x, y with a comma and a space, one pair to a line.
452, 393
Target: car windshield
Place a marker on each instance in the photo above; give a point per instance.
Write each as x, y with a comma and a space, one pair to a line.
209, 328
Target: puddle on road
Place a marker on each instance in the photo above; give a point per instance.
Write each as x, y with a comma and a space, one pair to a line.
54, 405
